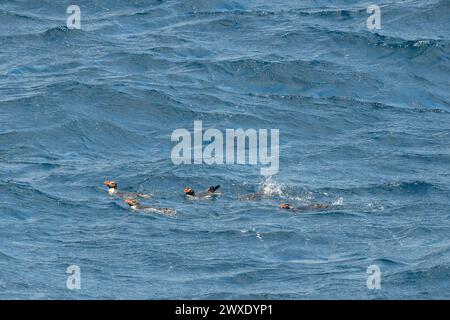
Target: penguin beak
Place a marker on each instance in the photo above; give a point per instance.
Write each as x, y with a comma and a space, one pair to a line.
187, 190
107, 183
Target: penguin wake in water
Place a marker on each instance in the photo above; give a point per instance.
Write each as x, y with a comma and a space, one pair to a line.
135, 205
304, 208
113, 190
206, 194
256, 196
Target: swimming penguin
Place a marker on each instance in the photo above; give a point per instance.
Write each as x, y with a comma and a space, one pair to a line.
135, 205
208, 193
311, 207
114, 191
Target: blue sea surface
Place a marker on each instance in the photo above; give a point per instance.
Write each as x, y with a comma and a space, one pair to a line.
364, 120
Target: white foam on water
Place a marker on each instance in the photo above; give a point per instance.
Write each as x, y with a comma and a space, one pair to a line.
338, 202
271, 188
304, 198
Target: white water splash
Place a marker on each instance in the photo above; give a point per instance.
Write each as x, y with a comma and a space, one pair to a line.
375, 207
338, 202
422, 43
271, 188
308, 197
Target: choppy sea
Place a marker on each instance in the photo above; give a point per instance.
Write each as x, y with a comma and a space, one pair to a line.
364, 122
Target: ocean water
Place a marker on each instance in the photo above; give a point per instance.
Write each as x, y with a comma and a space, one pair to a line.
364, 120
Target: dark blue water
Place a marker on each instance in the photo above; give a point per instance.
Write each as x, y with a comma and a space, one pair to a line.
364, 120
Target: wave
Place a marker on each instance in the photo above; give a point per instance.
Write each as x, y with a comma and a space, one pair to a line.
388, 263
21, 191
6, 257
58, 30
400, 187
266, 72
89, 134
100, 14
231, 13
432, 275
342, 14
80, 107
152, 9
21, 16
362, 39
75, 37
133, 103
347, 102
